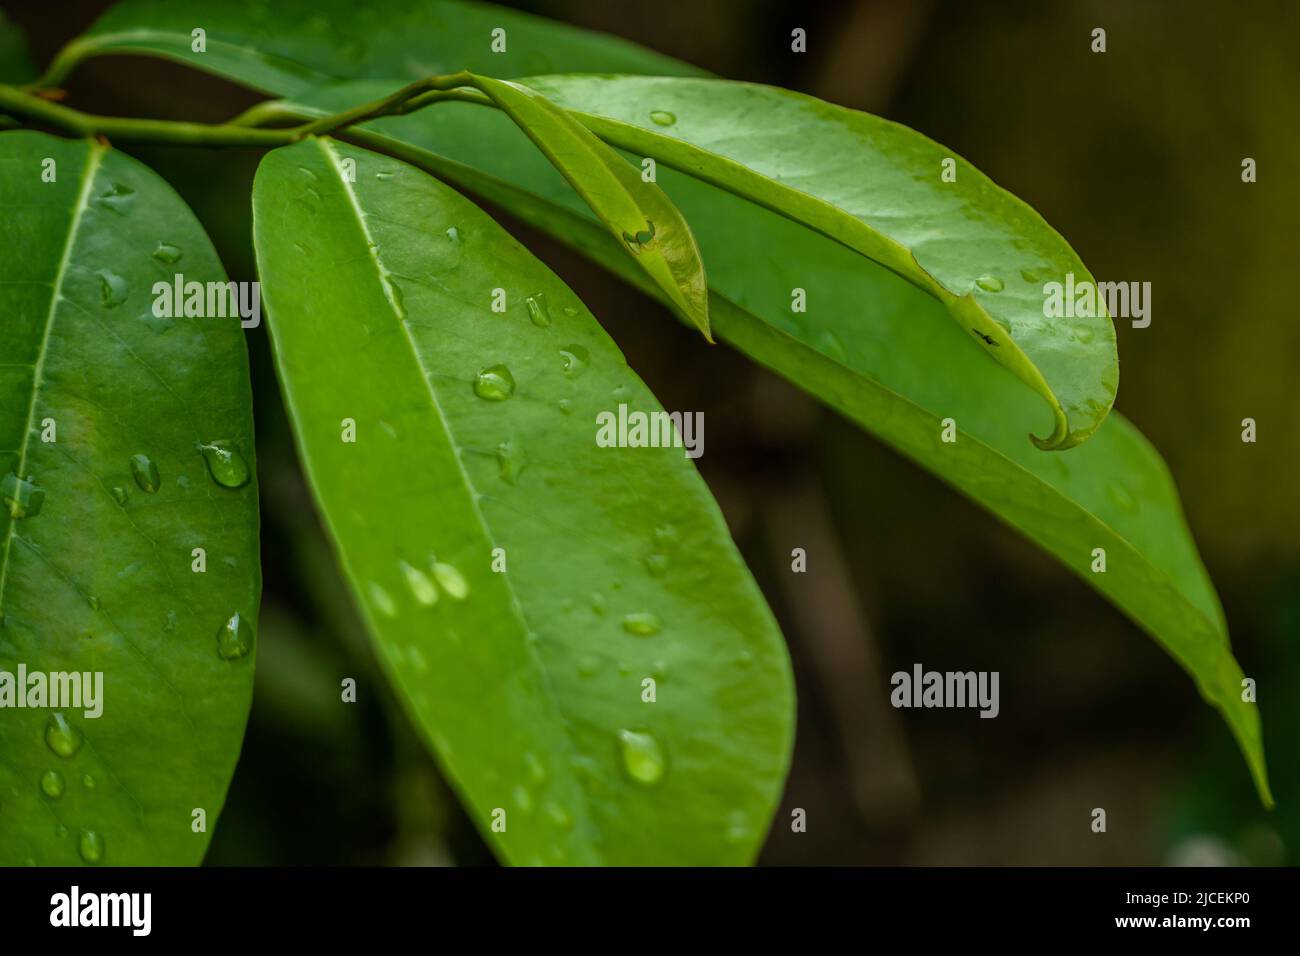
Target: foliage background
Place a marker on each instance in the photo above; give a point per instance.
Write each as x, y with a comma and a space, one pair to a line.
1134, 156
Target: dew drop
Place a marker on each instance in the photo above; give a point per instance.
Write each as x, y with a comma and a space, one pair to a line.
225, 464
118, 199
558, 815
522, 799
422, 588
167, 254
657, 564
565, 406
1122, 497
88, 782
21, 496
510, 461
91, 846
61, 832
382, 600
598, 603
119, 494
1083, 332
93, 602
234, 638
145, 473
451, 580
61, 737
662, 118
643, 759
641, 623
989, 283
452, 234
495, 384
112, 288
576, 359
537, 311
52, 784
588, 665
536, 770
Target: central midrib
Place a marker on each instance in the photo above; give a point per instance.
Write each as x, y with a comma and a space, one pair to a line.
94, 157
516, 607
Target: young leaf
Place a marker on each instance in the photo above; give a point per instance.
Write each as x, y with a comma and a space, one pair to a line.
880, 189
868, 346
286, 47
105, 493
528, 589
651, 228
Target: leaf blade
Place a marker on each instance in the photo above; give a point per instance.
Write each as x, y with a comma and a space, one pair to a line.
472, 470
98, 578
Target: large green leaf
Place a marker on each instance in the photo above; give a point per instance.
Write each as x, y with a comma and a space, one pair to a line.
286, 47
633, 208
889, 357
475, 431
102, 408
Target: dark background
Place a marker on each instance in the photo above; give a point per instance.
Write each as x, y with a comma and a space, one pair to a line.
1135, 156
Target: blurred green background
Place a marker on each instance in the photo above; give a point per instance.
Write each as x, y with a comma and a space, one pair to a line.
1134, 156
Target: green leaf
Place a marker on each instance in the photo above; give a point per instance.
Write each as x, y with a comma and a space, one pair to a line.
869, 346
287, 47
102, 405
651, 228
476, 431
15, 59
877, 187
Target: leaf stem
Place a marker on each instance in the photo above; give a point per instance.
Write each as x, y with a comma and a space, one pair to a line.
246, 129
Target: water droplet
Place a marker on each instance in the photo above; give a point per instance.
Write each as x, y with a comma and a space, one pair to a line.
234, 638
565, 406
452, 234
225, 464
119, 495
93, 602
88, 782
61, 832
384, 174
422, 588
167, 254
522, 799
989, 283
382, 600
643, 759
1122, 497
22, 497
598, 603
641, 623
588, 664
537, 310
576, 359
112, 288
535, 768
91, 846
1083, 332
511, 461
494, 383
118, 199
61, 736
558, 815
395, 296
170, 623
738, 828
52, 784
145, 473
662, 118
451, 580
657, 564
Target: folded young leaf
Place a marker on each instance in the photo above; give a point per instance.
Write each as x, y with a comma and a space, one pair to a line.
880, 189
869, 345
104, 498
288, 47
633, 208
570, 625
